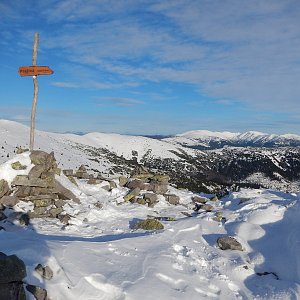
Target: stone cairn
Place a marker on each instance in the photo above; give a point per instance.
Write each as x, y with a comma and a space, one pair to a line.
146, 186
38, 187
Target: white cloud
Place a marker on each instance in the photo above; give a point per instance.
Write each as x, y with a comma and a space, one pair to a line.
120, 101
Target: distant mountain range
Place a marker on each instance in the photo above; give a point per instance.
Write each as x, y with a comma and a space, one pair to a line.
272, 161
204, 139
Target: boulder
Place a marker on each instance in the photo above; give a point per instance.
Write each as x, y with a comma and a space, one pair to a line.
141, 201
64, 193
18, 166
12, 291
23, 180
197, 199
94, 181
228, 242
42, 202
43, 158
135, 192
38, 292
68, 172
158, 188
9, 201
149, 224
161, 178
36, 171
54, 212
151, 199
172, 199
39, 212
45, 272
59, 203
207, 207
12, 269
136, 183
4, 188
21, 150
64, 218
98, 204
106, 187
82, 174
23, 191
112, 185
123, 180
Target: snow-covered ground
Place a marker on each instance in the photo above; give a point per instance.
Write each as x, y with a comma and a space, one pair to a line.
99, 256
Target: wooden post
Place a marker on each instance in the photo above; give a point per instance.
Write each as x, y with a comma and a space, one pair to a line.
35, 91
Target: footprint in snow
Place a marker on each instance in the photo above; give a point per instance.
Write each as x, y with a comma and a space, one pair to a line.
175, 284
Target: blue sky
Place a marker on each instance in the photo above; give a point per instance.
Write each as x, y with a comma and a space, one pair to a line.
154, 67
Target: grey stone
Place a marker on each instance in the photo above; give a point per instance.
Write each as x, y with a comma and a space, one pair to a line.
228, 242
4, 188
172, 199
68, 172
123, 180
18, 166
9, 201
136, 183
135, 192
45, 272
161, 178
106, 187
11, 268
94, 181
42, 202
151, 199
64, 193
207, 207
54, 212
98, 205
23, 218
39, 212
21, 150
36, 171
39, 197
197, 199
82, 175
149, 224
23, 191
64, 218
23, 180
112, 185
59, 203
12, 291
38, 292
42, 158
82, 168
158, 188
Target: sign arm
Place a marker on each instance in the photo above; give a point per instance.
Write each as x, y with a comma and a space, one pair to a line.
35, 92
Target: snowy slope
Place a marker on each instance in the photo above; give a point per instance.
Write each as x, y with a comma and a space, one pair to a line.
14, 134
98, 256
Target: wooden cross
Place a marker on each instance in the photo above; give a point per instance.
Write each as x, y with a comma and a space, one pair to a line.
34, 71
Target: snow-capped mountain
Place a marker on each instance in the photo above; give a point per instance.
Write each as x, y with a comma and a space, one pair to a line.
203, 139
197, 170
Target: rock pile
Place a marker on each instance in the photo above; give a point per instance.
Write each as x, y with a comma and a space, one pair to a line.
146, 186
38, 187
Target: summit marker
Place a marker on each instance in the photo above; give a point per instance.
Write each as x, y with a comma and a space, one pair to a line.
34, 71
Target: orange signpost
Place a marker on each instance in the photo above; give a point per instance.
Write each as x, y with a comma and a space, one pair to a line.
34, 71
